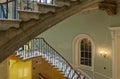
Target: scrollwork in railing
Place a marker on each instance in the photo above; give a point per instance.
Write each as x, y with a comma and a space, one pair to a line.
39, 47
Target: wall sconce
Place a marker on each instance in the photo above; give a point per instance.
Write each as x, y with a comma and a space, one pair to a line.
103, 53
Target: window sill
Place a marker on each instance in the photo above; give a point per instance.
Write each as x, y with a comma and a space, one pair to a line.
86, 67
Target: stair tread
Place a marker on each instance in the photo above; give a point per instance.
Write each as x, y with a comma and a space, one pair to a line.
37, 12
1, 19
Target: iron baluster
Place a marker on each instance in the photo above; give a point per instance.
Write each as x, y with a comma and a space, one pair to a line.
7, 9
14, 9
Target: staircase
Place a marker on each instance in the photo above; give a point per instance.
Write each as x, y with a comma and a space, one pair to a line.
38, 47
29, 18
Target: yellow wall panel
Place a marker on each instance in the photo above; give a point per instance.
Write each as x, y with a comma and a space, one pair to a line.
20, 70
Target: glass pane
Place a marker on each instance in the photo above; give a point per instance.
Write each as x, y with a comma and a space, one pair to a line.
86, 47
82, 54
82, 46
86, 54
89, 55
82, 61
86, 61
90, 62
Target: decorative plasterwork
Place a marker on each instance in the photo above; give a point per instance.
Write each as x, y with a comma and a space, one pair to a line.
90, 9
108, 6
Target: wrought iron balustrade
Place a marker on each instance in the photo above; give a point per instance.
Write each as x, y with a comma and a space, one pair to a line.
9, 8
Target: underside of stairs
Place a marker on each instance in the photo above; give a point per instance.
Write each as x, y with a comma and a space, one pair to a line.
15, 33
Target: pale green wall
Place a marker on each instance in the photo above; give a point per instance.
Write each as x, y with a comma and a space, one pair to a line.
94, 24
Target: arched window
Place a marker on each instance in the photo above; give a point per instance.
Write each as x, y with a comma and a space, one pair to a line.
83, 51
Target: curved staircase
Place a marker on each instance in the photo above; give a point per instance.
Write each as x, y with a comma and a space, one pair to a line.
38, 47
30, 18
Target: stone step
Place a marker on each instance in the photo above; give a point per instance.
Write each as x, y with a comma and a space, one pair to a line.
8, 23
27, 15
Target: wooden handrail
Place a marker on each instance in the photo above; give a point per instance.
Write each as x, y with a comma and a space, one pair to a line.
60, 56
6, 2
41, 76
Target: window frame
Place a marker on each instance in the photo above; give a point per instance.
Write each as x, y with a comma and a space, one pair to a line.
85, 52
77, 53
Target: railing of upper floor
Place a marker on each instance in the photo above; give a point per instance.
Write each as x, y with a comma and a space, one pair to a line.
9, 8
39, 47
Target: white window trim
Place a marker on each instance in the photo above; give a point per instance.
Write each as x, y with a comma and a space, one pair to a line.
76, 55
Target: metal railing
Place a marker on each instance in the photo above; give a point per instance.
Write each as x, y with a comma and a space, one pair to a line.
39, 47
9, 8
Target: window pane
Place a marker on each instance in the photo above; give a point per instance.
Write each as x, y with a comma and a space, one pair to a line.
82, 54
86, 54
86, 61
82, 61
90, 62
89, 55
82, 46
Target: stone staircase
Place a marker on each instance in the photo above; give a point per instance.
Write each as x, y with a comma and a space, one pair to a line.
15, 33
38, 47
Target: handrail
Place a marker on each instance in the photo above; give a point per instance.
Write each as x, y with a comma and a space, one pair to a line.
41, 76
39, 47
